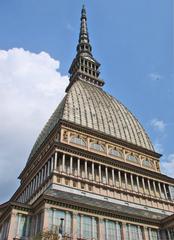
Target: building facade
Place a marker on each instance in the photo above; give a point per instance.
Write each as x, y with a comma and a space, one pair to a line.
93, 170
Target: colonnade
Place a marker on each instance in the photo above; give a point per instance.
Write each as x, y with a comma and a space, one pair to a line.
107, 175
96, 172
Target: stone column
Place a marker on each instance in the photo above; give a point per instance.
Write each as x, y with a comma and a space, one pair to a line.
93, 173
55, 161
113, 177
45, 219
101, 229
106, 172
138, 183
48, 169
123, 231
12, 226
74, 225
42, 175
38, 179
165, 191
159, 185
145, 233
149, 186
154, 186
71, 165
78, 167
81, 225
132, 182
52, 163
63, 163
86, 169
31, 187
119, 178
144, 187
34, 185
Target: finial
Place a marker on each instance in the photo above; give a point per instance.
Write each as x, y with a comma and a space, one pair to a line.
83, 11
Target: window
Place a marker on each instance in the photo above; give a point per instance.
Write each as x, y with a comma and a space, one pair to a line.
153, 234
112, 230
78, 140
132, 158
114, 152
4, 230
74, 184
133, 232
22, 224
171, 232
87, 227
66, 182
54, 220
82, 186
97, 147
147, 163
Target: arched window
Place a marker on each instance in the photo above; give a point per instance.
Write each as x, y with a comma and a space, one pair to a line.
97, 147
114, 152
78, 140
132, 158
147, 163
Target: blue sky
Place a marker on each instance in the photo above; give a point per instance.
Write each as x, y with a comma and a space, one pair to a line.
133, 41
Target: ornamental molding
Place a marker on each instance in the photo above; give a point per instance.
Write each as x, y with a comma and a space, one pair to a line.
109, 149
109, 138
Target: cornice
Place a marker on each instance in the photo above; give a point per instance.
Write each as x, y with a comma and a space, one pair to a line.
94, 210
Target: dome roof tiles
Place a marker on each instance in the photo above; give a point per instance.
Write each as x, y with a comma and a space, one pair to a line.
89, 106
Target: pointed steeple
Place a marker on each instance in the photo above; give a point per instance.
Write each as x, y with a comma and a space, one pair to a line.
84, 44
84, 66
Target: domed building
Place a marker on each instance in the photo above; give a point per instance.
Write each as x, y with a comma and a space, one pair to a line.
93, 172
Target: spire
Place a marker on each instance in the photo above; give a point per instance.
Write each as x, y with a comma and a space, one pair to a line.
84, 66
84, 36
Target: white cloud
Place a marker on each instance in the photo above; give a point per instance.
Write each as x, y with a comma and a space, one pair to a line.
155, 76
158, 124
167, 165
30, 89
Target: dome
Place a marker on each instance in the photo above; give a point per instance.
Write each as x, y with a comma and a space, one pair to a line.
89, 106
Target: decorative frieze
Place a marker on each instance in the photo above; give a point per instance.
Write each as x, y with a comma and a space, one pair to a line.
102, 147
